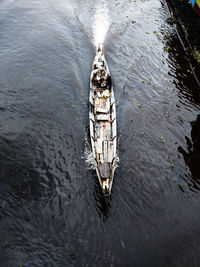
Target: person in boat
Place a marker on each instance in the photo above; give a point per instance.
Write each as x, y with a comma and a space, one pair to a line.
105, 80
108, 82
101, 77
97, 75
101, 62
93, 76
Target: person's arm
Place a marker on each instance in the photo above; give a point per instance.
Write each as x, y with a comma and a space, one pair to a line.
92, 74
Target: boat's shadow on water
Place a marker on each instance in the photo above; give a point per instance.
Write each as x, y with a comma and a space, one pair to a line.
191, 157
103, 203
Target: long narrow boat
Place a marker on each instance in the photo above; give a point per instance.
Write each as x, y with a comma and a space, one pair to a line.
102, 117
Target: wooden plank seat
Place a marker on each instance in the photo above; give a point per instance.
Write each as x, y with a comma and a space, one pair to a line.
101, 110
103, 117
101, 104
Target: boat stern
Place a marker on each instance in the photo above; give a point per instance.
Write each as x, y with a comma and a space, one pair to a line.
99, 49
106, 187
105, 179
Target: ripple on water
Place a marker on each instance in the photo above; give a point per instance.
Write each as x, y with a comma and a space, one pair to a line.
52, 208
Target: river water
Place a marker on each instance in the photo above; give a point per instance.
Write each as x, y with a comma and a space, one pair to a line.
52, 212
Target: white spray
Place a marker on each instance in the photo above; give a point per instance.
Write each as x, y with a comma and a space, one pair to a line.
101, 23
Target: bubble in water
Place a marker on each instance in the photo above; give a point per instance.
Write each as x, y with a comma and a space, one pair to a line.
88, 155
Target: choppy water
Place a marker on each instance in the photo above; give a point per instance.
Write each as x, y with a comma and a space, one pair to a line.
52, 212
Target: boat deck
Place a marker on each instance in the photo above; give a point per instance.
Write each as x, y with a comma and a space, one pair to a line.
102, 116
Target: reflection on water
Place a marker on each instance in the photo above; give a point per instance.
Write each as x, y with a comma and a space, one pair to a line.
181, 70
103, 204
192, 156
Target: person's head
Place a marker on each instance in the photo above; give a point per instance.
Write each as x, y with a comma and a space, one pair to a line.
103, 72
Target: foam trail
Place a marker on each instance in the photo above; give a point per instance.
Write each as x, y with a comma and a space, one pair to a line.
101, 23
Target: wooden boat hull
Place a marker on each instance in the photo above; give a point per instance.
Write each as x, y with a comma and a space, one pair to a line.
103, 128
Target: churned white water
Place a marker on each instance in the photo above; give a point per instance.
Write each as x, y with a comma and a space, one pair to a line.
101, 23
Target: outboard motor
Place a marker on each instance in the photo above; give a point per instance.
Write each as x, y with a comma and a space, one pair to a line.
99, 49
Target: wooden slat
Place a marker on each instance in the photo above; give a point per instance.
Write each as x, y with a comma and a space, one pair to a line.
91, 98
101, 130
113, 112
93, 148
97, 101
101, 110
114, 147
99, 145
112, 99
101, 158
108, 104
91, 129
110, 151
97, 130
114, 129
98, 157
108, 130
104, 131
103, 103
91, 115
105, 150
103, 117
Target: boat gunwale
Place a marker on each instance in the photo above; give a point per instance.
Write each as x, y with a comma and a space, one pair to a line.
114, 122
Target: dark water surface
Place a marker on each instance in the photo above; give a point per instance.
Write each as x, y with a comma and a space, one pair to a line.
52, 212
